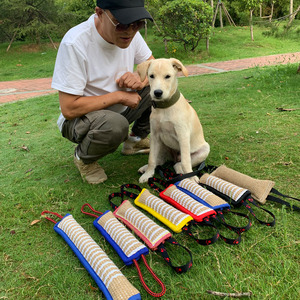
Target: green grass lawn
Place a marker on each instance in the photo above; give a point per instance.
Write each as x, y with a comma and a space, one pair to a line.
246, 131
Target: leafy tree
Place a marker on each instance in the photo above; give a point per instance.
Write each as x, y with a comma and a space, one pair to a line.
37, 19
28, 18
79, 10
251, 5
184, 21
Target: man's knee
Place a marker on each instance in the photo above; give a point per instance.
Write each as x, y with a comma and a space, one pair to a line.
110, 128
113, 131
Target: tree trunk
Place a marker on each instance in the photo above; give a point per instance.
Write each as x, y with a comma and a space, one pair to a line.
272, 11
291, 10
251, 24
293, 17
207, 44
260, 10
51, 41
221, 17
11, 41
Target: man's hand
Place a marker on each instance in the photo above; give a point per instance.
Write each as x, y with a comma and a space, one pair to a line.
130, 99
131, 81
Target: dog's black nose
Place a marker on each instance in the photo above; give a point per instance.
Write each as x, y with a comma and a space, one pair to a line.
158, 93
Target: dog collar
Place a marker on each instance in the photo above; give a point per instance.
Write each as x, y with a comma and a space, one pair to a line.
167, 103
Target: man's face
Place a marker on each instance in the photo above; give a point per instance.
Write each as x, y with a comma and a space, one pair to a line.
108, 31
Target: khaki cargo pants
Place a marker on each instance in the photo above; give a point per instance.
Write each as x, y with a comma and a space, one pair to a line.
99, 133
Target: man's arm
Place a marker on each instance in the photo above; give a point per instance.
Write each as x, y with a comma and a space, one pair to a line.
74, 106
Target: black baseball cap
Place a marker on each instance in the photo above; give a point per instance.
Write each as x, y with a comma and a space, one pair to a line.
126, 11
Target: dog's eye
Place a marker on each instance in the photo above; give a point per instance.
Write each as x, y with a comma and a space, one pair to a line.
167, 76
151, 76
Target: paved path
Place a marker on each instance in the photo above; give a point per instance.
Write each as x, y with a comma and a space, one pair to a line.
23, 89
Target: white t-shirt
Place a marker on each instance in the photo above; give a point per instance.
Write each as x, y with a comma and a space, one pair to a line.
87, 65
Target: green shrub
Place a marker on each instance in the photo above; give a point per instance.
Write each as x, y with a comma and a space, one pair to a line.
185, 22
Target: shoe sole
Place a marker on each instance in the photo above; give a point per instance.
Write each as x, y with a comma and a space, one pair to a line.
144, 151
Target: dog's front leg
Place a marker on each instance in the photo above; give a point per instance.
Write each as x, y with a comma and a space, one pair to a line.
185, 165
153, 161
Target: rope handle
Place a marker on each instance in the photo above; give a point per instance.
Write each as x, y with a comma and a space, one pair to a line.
161, 249
52, 213
163, 288
92, 209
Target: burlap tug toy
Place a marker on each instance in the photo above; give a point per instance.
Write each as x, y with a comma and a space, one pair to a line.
126, 245
206, 197
176, 220
151, 233
184, 202
167, 214
105, 273
235, 195
202, 195
261, 190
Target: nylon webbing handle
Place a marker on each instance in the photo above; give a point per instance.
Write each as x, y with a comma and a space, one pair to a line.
171, 177
204, 242
283, 202
221, 218
164, 253
246, 204
230, 241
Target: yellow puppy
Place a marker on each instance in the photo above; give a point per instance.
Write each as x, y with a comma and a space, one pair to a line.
176, 132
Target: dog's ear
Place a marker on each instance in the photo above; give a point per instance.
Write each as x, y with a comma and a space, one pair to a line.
142, 69
177, 64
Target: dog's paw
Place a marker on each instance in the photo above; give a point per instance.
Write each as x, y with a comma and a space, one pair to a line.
178, 168
143, 169
144, 178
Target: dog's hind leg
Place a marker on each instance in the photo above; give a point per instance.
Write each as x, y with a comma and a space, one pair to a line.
196, 159
201, 155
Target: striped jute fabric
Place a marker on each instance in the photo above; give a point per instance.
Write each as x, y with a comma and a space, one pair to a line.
116, 283
201, 192
260, 189
186, 201
162, 208
120, 234
233, 191
151, 233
